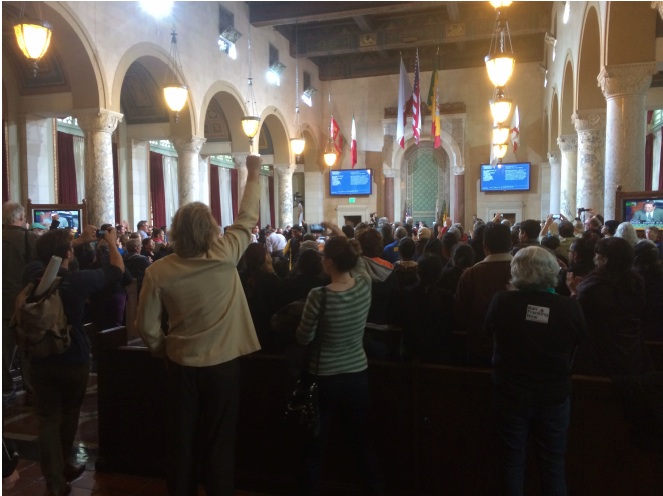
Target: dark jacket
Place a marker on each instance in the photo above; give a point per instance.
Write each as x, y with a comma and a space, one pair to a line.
613, 306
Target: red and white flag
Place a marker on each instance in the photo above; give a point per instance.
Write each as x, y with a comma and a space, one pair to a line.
404, 92
354, 143
416, 103
336, 136
515, 130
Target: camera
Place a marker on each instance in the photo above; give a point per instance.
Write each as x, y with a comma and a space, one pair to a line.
556, 216
101, 233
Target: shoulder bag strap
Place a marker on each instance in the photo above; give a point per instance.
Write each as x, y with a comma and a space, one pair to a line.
318, 331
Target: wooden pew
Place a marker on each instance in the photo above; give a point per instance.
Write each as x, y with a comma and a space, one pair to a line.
432, 426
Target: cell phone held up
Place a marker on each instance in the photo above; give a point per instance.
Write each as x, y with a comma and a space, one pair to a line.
101, 233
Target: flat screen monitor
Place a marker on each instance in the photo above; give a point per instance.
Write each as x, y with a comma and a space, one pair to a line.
351, 182
68, 215
66, 218
643, 212
505, 177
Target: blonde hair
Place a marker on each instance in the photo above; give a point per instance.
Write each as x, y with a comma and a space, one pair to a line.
194, 230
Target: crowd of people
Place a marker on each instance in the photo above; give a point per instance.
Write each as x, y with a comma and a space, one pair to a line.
535, 301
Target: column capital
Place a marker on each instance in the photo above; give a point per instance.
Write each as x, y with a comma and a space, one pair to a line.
239, 159
459, 170
589, 120
389, 128
568, 143
626, 79
97, 120
388, 173
554, 157
188, 143
285, 168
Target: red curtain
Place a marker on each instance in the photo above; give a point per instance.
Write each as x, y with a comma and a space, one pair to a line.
271, 201
5, 164
67, 191
234, 183
116, 183
649, 161
214, 193
157, 190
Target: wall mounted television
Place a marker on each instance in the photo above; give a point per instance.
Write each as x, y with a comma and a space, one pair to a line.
351, 182
633, 207
68, 215
505, 177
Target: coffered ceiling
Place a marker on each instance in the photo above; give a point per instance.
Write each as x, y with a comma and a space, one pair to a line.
360, 39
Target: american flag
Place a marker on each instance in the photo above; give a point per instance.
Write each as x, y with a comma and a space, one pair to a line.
416, 102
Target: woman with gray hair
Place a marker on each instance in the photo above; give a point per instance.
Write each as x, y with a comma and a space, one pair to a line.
626, 231
209, 328
535, 332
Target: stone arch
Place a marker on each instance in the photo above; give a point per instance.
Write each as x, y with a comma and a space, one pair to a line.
155, 59
273, 118
589, 95
632, 21
89, 88
567, 106
231, 102
553, 129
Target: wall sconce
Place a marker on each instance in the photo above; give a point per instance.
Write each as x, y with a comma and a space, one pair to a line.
307, 95
499, 151
274, 73
227, 41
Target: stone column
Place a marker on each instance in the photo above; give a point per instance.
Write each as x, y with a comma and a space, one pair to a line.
459, 198
242, 173
98, 126
388, 195
590, 125
285, 173
188, 148
568, 145
555, 181
625, 88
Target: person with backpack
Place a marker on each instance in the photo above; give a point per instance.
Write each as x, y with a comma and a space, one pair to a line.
18, 249
60, 380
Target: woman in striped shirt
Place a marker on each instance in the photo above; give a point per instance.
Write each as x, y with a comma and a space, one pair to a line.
341, 370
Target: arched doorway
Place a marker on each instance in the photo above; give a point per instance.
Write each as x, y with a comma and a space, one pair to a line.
425, 179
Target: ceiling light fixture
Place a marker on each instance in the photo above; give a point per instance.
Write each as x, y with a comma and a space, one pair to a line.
297, 143
33, 37
251, 122
500, 60
500, 106
174, 92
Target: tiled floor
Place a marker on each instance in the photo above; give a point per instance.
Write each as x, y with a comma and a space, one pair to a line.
20, 426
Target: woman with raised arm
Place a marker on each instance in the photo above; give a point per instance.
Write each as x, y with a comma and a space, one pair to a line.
338, 361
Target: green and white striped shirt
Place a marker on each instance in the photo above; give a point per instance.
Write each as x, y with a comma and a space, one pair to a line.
342, 332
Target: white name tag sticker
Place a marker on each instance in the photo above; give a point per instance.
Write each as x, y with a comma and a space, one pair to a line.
537, 314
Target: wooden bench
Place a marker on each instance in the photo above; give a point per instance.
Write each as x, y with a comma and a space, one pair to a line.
433, 430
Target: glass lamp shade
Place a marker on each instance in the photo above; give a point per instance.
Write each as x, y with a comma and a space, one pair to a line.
500, 107
33, 38
175, 95
500, 3
330, 158
500, 134
499, 150
297, 145
500, 68
250, 125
